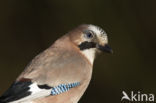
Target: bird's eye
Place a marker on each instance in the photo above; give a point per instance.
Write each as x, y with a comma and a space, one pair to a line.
89, 34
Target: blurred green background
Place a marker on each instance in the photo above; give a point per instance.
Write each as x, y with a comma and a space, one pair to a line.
27, 27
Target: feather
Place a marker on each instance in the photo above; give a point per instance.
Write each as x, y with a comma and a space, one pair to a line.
16, 91
27, 91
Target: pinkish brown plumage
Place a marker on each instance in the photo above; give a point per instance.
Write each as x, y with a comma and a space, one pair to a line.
61, 73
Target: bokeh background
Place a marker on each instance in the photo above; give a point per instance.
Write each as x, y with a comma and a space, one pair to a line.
27, 27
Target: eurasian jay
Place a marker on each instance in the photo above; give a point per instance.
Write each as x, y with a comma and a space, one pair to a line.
61, 73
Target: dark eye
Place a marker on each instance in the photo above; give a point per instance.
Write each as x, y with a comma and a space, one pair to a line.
89, 34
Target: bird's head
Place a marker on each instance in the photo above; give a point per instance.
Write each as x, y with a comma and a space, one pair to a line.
90, 39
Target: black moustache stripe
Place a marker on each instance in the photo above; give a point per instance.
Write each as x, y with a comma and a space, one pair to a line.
87, 45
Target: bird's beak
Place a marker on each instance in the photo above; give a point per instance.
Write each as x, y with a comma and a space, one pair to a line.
105, 48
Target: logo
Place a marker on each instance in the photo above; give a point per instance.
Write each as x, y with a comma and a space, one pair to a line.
137, 96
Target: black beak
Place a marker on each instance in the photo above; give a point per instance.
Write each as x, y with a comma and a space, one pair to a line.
105, 48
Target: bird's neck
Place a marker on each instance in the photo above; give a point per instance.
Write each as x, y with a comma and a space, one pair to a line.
66, 44
89, 54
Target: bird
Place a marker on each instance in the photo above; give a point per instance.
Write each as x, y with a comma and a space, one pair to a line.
61, 73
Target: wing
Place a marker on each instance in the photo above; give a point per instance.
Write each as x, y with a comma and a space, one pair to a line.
24, 90
16, 91
55, 67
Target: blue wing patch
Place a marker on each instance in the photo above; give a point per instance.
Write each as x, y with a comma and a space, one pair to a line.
63, 88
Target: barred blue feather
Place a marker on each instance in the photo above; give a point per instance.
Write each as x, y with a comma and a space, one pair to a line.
63, 88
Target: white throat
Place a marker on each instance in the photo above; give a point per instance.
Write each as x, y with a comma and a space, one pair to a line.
89, 54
